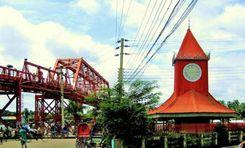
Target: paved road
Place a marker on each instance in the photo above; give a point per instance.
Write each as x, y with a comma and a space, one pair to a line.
51, 143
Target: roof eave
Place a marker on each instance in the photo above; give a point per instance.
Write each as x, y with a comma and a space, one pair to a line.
181, 115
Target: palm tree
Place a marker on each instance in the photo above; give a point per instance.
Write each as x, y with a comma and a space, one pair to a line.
123, 114
75, 109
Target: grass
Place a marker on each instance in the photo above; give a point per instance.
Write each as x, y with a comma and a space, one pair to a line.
51, 143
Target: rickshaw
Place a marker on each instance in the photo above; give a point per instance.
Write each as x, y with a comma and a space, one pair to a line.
83, 135
87, 137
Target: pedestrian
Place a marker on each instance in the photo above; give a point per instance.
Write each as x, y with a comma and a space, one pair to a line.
1, 135
241, 145
6, 133
23, 137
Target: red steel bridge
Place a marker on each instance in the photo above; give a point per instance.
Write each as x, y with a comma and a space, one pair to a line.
77, 77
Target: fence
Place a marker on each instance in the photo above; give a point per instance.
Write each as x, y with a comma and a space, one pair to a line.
194, 140
197, 127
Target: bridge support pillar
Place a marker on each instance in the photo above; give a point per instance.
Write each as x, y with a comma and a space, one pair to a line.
47, 110
12, 94
18, 105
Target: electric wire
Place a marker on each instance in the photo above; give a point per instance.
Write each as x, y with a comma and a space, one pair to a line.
183, 16
116, 22
146, 24
121, 20
142, 21
172, 14
126, 16
141, 48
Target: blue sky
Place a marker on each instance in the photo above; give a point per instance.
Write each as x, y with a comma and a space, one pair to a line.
43, 30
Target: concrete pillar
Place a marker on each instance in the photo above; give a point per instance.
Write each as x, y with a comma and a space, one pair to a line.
229, 136
202, 140
184, 141
143, 143
116, 143
165, 142
215, 138
241, 136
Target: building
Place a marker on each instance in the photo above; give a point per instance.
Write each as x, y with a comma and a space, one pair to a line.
191, 103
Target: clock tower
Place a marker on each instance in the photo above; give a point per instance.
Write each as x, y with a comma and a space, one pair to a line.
191, 102
190, 67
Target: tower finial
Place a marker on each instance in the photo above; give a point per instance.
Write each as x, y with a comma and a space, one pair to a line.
189, 23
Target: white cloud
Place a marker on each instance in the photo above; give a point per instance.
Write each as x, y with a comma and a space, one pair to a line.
65, 43
88, 6
37, 39
224, 22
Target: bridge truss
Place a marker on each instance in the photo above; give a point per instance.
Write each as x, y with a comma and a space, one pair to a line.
75, 76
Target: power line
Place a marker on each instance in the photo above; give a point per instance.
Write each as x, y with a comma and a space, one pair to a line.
156, 17
142, 20
116, 22
126, 16
135, 73
183, 16
146, 24
172, 14
121, 19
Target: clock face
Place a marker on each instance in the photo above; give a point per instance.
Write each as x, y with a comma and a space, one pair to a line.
192, 72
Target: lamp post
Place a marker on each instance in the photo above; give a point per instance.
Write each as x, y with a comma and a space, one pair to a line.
9, 67
60, 72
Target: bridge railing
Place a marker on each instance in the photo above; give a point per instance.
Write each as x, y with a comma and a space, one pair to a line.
10, 73
36, 77
44, 76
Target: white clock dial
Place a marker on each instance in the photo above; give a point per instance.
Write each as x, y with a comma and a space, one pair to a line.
192, 72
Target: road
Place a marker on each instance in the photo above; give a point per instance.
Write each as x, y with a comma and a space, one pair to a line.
51, 143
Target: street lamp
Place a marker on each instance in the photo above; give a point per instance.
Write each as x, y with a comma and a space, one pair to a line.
9, 67
60, 73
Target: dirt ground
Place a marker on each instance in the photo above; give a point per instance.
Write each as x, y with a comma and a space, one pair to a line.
50, 143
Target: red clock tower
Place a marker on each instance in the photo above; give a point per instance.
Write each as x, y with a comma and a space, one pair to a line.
191, 101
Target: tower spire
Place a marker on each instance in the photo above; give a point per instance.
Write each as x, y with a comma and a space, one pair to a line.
189, 23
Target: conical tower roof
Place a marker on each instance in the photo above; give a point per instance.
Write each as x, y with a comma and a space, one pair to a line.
190, 49
191, 103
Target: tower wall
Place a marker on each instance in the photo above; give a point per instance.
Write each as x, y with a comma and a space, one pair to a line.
181, 85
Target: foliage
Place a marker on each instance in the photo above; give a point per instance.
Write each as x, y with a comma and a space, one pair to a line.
169, 134
124, 116
26, 114
192, 139
222, 134
236, 106
222, 102
75, 109
143, 92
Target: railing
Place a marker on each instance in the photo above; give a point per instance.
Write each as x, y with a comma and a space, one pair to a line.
197, 127
9, 72
35, 77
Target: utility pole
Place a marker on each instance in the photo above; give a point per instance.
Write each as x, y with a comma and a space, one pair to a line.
120, 72
62, 97
62, 103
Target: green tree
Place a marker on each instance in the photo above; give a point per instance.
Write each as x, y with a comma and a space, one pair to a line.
26, 114
222, 134
238, 107
222, 102
124, 116
242, 112
75, 109
235, 105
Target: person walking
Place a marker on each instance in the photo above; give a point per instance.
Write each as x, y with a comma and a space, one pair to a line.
23, 137
1, 135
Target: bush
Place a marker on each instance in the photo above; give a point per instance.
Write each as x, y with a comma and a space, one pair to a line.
222, 134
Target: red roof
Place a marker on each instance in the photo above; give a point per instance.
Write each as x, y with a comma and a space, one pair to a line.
190, 49
191, 102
